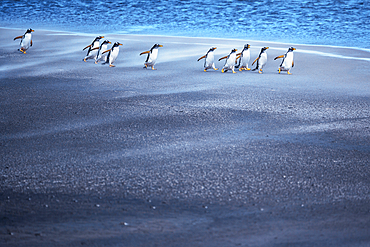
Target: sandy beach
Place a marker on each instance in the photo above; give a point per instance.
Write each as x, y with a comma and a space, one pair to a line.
124, 156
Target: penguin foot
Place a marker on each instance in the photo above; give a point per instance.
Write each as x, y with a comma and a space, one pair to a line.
260, 71
247, 69
84, 59
234, 72
153, 68
215, 68
279, 70
289, 73
96, 62
223, 71
240, 69
205, 70
111, 65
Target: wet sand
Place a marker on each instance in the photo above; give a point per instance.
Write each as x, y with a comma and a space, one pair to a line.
99, 156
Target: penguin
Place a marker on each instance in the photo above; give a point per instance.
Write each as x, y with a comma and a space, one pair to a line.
103, 47
26, 40
209, 59
261, 60
112, 54
92, 52
244, 58
230, 61
287, 62
152, 56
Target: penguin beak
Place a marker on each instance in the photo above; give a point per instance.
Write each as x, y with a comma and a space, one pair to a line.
119, 44
32, 30
109, 42
294, 49
249, 46
160, 45
267, 48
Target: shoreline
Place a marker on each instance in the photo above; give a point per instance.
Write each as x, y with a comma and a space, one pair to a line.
196, 37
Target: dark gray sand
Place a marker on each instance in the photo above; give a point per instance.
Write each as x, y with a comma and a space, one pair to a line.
99, 156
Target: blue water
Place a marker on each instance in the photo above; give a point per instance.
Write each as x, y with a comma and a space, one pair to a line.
339, 23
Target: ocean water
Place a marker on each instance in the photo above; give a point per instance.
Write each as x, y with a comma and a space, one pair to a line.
338, 23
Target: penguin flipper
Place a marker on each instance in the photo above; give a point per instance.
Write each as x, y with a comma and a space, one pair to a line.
255, 61
144, 52
292, 64
279, 57
86, 47
18, 37
236, 59
223, 58
96, 48
107, 51
31, 42
201, 57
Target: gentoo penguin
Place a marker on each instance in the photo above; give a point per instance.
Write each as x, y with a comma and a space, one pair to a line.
92, 52
103, 47
244, 56
112, 54
209, 59
26, 40
287, 62
261, 60
230, 61
152, 56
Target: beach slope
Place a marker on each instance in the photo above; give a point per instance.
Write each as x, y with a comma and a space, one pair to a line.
126, 156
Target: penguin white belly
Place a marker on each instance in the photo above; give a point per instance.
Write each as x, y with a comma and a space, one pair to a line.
287, 62
262, 61
113, 55
209, 60
245, 58
230, 62
152, 57
26, 41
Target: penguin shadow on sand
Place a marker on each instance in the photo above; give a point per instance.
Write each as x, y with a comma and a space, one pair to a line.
100, 52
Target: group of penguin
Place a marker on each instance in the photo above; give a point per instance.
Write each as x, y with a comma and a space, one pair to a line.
244, 57
100, 52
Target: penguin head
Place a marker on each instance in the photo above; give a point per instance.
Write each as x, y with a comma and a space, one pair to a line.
234, 50
117, 44
156, 46
106, 42
264, 49
247, 46
291, 49
30, 30
212, 49
98, 38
